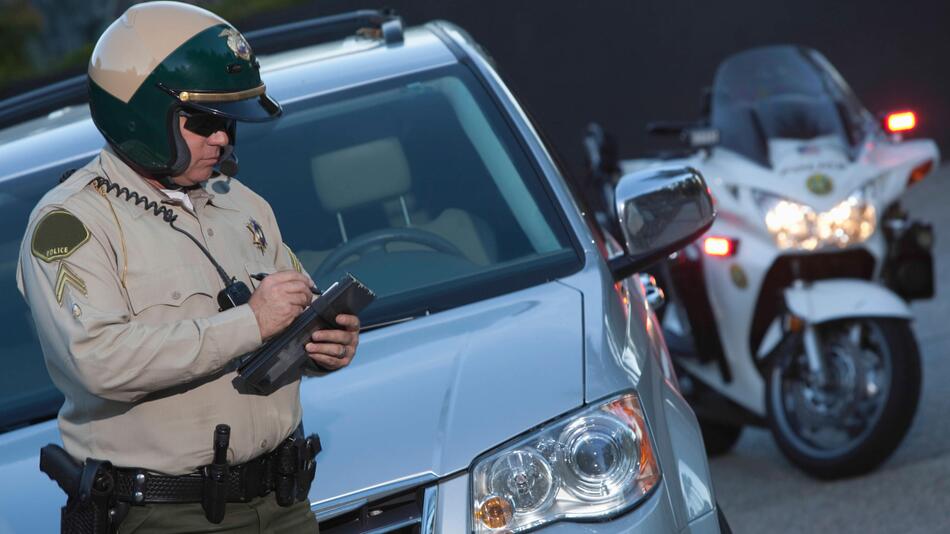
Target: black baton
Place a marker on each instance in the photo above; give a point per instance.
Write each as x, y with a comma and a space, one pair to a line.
216, 477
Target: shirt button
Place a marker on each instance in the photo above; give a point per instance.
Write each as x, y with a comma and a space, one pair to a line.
210, 232
263, 443
176, 295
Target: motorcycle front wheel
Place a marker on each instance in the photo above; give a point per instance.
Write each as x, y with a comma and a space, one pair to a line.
850, 422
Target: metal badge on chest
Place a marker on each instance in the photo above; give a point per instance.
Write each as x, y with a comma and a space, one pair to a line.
257, 235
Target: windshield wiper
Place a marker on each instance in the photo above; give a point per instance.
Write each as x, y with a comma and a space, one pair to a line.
373, 326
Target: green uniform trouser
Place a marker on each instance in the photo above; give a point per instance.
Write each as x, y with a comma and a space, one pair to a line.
260, 516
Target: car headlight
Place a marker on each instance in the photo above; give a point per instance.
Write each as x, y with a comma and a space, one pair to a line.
797, 226
590, 465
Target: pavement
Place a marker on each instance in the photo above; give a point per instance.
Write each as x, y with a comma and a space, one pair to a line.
761, 492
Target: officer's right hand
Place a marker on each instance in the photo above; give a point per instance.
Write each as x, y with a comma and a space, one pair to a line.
279, 299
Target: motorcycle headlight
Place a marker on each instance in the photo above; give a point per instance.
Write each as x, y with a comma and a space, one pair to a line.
797, 226
590, 465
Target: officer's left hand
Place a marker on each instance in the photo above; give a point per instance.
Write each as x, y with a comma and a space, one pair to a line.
334, 349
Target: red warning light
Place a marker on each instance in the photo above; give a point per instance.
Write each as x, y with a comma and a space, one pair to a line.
721, 247
902, 121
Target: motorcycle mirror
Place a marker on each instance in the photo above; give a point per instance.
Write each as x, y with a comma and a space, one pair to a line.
693, 135
667, 128
702, 137
600, 150
659, 211
705, 108
603, 165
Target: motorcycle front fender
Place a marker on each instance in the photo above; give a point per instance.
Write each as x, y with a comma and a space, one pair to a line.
826, 300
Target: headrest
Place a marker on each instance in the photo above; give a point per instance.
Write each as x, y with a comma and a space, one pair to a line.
361, 174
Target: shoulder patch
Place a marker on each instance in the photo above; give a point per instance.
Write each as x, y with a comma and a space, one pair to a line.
57, 235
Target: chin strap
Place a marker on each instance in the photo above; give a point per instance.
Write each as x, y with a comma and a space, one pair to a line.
227, 165
167, 182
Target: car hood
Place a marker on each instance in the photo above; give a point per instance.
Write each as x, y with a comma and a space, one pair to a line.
424, 398
421, 400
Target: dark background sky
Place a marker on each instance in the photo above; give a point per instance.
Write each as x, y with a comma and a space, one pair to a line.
624, 63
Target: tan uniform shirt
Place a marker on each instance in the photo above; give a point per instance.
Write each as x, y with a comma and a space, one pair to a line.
129, 324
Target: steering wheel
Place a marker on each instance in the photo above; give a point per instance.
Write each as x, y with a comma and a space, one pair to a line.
378, 239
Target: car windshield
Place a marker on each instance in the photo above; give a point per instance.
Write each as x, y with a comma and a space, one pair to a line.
783, 93
418, 186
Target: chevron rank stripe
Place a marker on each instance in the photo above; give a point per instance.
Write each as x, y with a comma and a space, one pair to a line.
66, 276
293, 260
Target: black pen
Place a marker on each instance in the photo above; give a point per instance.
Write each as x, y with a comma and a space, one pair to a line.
261, 276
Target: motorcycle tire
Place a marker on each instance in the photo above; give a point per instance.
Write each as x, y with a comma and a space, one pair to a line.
719, 438
884, 435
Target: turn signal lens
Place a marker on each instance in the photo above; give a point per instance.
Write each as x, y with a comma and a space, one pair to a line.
795, 324
920, 172
496, 512
721, 247
901, 121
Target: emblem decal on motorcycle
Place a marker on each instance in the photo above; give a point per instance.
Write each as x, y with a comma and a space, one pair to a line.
257, 235
237, 43
819, 184
738, 277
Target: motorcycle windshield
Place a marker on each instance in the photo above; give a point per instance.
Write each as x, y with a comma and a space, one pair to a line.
783, 92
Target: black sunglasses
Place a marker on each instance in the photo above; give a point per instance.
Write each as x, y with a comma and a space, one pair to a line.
205, 124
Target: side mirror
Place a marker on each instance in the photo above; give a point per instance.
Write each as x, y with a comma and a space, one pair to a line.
659, 211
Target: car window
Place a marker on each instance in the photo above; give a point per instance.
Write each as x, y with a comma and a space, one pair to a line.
416, 185
26, 392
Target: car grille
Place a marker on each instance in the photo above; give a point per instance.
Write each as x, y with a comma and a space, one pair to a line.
408, 512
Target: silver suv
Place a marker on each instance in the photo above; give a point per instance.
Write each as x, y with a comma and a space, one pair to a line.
512, 375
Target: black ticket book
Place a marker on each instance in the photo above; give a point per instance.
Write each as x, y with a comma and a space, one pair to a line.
281, 359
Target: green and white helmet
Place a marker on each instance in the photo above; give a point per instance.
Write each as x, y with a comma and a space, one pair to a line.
160, 59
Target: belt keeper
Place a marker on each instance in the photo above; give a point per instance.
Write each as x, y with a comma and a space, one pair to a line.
138, 488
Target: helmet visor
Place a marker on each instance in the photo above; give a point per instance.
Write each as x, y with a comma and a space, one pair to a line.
253, 105
260, 109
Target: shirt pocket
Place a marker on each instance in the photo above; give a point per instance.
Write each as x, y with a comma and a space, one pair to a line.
172, 288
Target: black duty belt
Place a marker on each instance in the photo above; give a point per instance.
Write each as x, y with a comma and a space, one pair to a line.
287, 470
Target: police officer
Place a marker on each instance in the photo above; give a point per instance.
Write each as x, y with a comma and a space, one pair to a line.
134, 267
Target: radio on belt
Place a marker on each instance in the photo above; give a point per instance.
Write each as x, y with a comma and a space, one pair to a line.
280, 360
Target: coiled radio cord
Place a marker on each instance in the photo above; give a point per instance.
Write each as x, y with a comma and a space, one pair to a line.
166, 213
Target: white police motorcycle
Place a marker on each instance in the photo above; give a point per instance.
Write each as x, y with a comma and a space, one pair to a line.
791, 311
